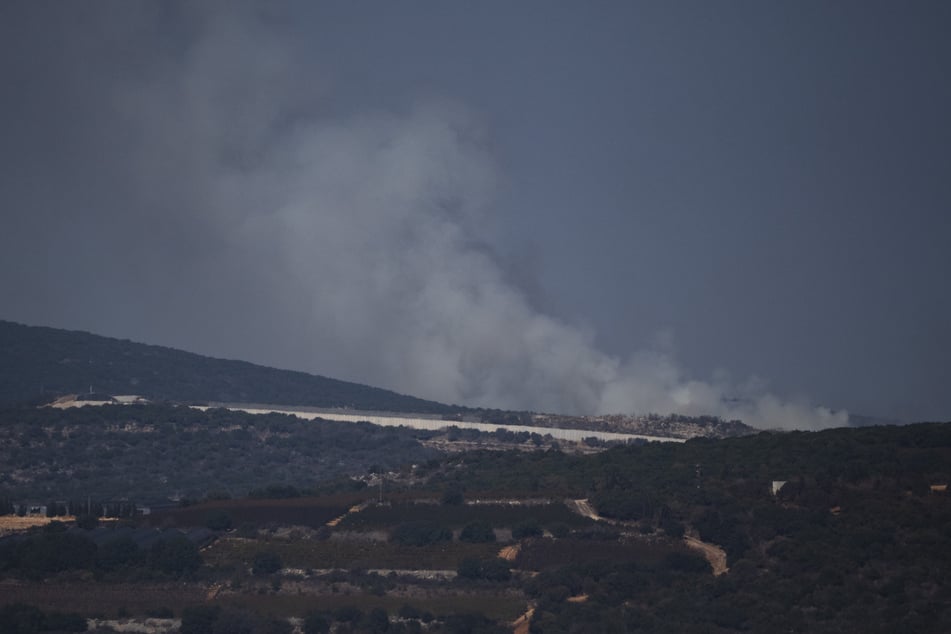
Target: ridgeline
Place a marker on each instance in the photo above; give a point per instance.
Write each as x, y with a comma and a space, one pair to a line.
38, 363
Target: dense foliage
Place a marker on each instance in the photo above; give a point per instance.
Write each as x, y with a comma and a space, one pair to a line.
54, 549
19, 618
421, 533
855, 540
844, 530
154, 451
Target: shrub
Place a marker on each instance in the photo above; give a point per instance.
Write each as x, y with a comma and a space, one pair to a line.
478, 532
199, 619
376, 620
488, 569
527, 528
559, 530
235, 621
20, 617
176, 556
160, 613
266, 563
496, 570
672, 527
469, 568
348, 614
87, 522
64, 622
316, 623
218, 521
420, 533
686, 562
452, 496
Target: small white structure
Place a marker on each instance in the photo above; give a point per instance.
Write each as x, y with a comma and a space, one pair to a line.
776, 486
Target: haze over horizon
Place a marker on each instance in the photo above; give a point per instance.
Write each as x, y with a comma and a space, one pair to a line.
733, 209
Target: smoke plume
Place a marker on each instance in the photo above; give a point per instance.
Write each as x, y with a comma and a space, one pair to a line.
353, 242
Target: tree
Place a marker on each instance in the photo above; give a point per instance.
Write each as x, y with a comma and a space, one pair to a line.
122, 551
176, 556
478, 532
218, 521
376, 620
348, 614
420, 533
234, 621
199, 619
527, 528
496, 569
453, 496
87, 521
469, 568
19, 618
64, 622
266, 563
316, 622
559, 530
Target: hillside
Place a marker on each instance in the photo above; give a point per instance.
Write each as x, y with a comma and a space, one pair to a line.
38, 364
843, 530
38, 361
152, 452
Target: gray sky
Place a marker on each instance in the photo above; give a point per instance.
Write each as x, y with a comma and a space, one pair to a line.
737, 208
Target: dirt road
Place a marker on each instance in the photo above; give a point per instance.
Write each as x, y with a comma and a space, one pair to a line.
711, 552
584, 508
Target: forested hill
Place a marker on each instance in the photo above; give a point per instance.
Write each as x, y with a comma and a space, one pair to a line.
38, 361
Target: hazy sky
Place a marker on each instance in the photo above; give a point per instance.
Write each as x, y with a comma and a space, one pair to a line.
737, 208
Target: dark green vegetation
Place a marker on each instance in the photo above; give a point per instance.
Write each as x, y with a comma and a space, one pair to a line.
37, 363
440, 553
457, 517
19, 618
310, 512
112, 555
856, 540
143, 452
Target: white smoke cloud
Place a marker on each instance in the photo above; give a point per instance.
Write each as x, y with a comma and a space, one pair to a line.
362, 236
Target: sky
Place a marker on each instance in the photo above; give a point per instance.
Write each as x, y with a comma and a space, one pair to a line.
736, 208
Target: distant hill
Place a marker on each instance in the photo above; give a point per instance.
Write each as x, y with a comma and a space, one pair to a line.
859, 420
38, 362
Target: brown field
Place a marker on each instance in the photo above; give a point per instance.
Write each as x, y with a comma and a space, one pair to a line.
310, 512
88, 598
542, 554
505, 608
348, 555
13, 523
457, 516
510, 553
98, 600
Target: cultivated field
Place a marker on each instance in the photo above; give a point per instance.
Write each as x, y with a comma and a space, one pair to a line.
13, 523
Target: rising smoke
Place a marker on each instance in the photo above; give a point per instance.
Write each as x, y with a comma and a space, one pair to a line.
354, 242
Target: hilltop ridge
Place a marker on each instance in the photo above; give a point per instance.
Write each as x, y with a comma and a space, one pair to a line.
38, 363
